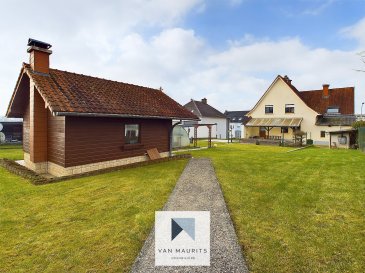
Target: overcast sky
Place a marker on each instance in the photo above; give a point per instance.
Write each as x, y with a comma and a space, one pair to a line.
227, 51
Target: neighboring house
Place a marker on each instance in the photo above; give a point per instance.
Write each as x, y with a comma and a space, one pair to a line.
283, 109
75, 123
11, 130
207, 115
236, 122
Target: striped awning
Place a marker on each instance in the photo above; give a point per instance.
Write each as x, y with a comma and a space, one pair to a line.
274, 122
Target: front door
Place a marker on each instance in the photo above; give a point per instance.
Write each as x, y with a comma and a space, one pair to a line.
262, 132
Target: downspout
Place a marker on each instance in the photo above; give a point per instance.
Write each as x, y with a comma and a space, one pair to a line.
172, 129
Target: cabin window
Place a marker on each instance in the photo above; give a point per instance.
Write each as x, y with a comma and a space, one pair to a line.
131, 135
323, 134
269, 109
284, 130
289, 108
333, 110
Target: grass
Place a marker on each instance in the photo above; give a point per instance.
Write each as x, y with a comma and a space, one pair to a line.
13, 152
295, 212
91, 224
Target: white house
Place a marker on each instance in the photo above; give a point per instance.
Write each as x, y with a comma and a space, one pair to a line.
283, 109
208, 116
236, 120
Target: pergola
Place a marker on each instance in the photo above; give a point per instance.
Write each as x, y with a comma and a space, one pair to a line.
196, 126
270, 123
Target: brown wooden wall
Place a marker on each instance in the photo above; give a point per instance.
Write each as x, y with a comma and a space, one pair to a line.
56, 139
38, 127
26, 127
91, 140
51, 135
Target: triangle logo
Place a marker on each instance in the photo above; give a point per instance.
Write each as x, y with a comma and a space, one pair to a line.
182, 224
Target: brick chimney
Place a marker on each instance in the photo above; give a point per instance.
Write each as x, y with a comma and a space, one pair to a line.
39, 55
287, 79
204, 101
326, 92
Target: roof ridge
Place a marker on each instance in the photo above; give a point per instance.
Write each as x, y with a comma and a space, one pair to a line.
335, 88
68, 93
202, 103
208, 105
95, 77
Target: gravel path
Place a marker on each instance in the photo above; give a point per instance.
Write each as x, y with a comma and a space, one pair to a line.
198, 189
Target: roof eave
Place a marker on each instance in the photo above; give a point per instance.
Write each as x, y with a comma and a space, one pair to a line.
8, 111
80, 114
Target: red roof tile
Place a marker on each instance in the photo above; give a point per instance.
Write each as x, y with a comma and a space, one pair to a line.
67, 92
340, 97
343, 98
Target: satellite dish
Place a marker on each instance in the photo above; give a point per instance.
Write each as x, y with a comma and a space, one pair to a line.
1, 126
2, 137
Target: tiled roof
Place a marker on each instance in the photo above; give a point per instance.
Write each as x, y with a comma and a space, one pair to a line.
70, 93
335, 120
343, 98
237, 116
202, 109
340, 97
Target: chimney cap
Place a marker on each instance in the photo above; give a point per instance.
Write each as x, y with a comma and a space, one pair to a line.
37, 43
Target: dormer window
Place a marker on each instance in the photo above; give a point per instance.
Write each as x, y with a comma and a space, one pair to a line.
289, 108
333, 110
269, 109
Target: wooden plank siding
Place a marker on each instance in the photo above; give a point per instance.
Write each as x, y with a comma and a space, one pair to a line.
56, 139
26, 128
38, 127
90, 139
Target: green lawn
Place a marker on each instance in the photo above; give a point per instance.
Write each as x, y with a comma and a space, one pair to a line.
91, 224
13, 152
295, 212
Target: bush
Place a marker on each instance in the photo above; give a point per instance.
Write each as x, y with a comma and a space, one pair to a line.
257, 142
358, 124
309, 141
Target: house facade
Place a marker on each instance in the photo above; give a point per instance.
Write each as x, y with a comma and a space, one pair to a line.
75, 123
236, 123
283, 110
208, 115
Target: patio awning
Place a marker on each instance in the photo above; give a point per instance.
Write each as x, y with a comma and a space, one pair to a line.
274, 122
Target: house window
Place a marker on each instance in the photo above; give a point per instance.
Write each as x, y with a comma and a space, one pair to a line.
269, 109
289, 108
333, 110
323, 133
131, 135
284, 130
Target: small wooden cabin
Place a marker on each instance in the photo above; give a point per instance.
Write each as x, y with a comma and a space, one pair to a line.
75, 123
